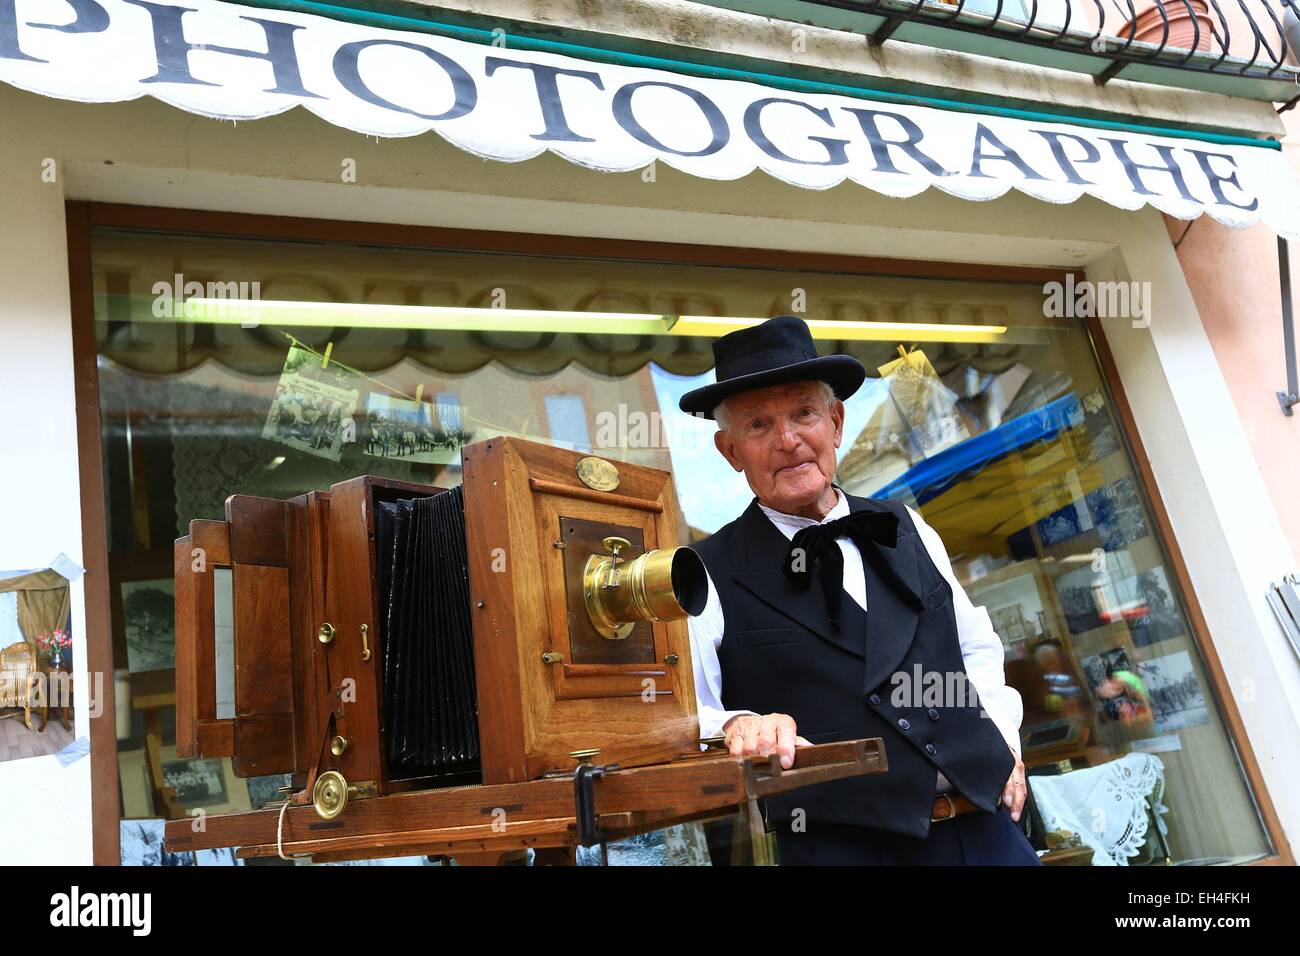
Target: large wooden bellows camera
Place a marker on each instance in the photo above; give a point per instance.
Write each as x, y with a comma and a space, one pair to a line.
461, 672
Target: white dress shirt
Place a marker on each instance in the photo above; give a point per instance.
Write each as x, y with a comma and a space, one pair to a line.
981, 648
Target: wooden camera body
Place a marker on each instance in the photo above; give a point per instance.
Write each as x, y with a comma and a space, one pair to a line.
527, 682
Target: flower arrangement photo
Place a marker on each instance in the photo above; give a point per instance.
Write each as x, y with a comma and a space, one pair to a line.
54, 644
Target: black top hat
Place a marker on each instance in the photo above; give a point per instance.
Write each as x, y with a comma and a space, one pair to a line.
777, 351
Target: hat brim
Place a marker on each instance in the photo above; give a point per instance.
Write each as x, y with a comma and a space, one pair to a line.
843, 373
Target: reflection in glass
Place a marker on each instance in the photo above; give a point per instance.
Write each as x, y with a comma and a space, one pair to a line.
1003, 440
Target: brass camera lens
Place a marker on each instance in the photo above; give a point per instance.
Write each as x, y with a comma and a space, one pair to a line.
666, 584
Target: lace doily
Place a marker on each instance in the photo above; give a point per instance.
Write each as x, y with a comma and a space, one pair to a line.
1106, 805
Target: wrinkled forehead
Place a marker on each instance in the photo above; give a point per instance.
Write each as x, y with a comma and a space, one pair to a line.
776, 397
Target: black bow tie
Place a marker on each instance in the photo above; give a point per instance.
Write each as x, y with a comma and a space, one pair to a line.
815, 545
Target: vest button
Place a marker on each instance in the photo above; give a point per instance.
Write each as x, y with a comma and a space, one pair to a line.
931, 749
874, 698
903, 724
934, 714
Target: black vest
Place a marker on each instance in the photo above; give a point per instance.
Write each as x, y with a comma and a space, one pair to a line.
873, 677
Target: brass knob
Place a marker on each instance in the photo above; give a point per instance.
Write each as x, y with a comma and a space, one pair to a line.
584, 756
330, 794
615, 544
339, 746
552, 657
326, 633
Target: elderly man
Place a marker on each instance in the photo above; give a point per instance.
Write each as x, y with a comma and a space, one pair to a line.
833, 617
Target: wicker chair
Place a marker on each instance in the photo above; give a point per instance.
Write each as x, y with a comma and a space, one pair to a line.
19, 680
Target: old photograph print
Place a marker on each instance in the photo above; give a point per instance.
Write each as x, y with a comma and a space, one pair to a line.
312, 410
149, 618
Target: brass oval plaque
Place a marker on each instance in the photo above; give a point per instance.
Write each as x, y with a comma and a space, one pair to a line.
597, 473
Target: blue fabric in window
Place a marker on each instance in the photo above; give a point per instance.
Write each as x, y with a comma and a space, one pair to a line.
929, 478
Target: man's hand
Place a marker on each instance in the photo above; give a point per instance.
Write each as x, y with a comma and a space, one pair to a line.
1013, 794
747, 735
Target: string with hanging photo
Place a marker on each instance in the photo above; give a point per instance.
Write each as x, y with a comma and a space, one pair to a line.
314, 403
399, 425
923, 403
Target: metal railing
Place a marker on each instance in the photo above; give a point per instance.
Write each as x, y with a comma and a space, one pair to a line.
1234, 38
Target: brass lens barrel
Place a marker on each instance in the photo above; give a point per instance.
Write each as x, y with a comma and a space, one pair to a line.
666, 584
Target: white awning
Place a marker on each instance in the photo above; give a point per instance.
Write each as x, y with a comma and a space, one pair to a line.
233, 62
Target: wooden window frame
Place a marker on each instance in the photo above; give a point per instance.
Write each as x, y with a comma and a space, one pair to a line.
84, 217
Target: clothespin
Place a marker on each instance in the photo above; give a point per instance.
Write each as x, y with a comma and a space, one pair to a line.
902, 351
325, 359
419, 393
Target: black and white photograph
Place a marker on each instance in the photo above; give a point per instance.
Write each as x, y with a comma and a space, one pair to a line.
197, 782
1176, 694
1087, 598
1014, 598
413, 431
1099, 433
149, 620
1153, 614
263, 790
1095, 666
1079, 607
1116, 688
142, 845
1012, 626
1064, 524
1118, 514
221, 856
311, 412
1065, 513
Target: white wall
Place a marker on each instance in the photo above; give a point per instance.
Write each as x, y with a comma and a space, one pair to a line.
44, 806
290, 165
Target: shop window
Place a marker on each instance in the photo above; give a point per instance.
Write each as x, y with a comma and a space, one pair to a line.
987, 417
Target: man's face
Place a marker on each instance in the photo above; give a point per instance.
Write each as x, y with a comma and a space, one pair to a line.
784, 439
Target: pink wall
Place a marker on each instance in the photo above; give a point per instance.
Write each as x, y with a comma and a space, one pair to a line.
1233, 276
